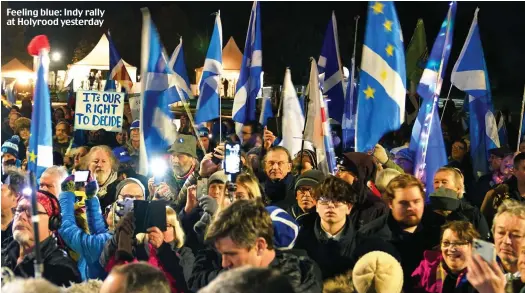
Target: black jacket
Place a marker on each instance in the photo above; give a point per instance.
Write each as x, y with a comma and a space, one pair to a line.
281, 193
368, 210
302, 272
59, 269
410, 246
333, 256
297, 213
477, 195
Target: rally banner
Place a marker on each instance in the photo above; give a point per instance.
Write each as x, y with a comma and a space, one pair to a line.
99, 110
134, 104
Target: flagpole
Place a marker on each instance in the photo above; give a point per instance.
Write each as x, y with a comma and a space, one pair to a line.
306, 102
521, 121
225, 90
353, 78
446, 102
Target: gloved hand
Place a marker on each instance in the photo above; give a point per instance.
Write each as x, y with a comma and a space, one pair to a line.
208, 204
124, 206
202, 224
91, 188
69, 184
380, 154
124, 237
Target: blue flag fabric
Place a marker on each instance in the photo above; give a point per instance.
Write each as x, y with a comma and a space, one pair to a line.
266, 110
502, 132
157, 130
41, 139
249, 83
330, 64
349, 115
182, 82
382, 80
427, 138
10, 92
301, 103
208, 103
110, 85
470, 75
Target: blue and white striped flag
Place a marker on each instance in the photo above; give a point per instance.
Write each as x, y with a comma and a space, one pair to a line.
182, 82
209, 87
330, 68
427, 138
470, 75
349, 114
382, 79
157, 131
249, 83
266, 110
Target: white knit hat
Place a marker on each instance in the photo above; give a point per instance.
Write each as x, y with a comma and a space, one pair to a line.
378, 272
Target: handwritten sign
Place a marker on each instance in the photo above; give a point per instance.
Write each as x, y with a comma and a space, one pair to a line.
99, 110
134, 104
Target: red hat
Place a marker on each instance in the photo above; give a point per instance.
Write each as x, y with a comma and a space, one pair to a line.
50, 205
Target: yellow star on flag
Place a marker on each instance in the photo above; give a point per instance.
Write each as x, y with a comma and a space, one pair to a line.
390, 50
388, 25
378, 7
32, 156
383, 75
369, 92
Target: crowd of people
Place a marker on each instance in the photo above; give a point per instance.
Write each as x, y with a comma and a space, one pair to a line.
280, 225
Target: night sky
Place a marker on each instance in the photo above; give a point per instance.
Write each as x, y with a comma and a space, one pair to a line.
292, 32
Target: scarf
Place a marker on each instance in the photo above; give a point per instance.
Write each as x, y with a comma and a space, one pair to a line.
498, 178
103, 189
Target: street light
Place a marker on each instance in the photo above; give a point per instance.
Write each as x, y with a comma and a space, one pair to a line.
56, 56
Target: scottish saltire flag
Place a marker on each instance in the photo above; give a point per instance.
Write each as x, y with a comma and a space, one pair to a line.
416, 58
249, 83
180, 75
10, 92
470, 75
502, 131
117, 69
301, 102
292, 117
427, 139
330, 68
349, 113
382, 80
208, 103
110, 85
317, 129
41, 138
266, 110
157, 130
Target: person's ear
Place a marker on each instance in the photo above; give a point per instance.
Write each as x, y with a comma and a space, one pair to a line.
260, 245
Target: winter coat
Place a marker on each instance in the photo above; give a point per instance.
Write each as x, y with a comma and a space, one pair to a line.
174, 262
368, 210
59, 269
433, 276
281, 193
297, 213
89, 246
409, 246
188, 221
302, 272
179, 187
332, 256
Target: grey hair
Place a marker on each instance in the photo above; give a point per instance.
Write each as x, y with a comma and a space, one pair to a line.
61, 171
513, 207
31, 285
88, 286
383, 177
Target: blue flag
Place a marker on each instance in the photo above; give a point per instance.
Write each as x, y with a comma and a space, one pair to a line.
41, 139
10, 92
470, 75
349, 115
157, 130
110, 85
502, 131
249, 83
330, 66
208, 103
427, 138
382, 80
182, 82
266, 110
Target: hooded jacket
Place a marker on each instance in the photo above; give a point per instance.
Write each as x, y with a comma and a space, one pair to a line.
332, 256
59, 269
368, 206
89, 246
281, 193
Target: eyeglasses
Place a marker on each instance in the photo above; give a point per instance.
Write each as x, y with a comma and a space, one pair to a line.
305, 190
340, 169
280, 164
447, 244
325, 201
27, 211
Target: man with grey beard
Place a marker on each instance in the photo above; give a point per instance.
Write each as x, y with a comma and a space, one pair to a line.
103, 166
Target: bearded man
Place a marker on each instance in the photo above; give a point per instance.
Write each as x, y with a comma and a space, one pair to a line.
103, 166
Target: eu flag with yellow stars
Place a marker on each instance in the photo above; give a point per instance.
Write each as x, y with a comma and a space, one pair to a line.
382, 83
41, 139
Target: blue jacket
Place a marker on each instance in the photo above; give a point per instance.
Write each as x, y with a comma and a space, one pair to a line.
89, 246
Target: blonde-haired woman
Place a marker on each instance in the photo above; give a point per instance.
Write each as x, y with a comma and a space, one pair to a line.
162, 249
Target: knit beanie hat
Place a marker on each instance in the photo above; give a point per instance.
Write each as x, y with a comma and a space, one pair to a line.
22, 123
285, 229
50, 205
218, 176
185, 144
10, 146
378, 272
128, 181
310, 178
444, 199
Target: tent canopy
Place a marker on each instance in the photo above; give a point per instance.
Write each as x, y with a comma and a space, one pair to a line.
15, 69
231, 61
97, 59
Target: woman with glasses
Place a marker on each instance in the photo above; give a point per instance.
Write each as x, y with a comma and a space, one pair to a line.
444, 270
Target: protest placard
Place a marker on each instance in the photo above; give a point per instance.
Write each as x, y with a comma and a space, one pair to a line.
134, 104
99, 110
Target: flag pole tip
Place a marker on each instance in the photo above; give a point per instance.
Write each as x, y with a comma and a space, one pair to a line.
38, 43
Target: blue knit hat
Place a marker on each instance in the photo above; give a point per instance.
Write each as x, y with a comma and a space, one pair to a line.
10, 146
135, 125
285, 228
122, 154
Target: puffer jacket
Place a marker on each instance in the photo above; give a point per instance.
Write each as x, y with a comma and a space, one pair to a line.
302, 272
89, 246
